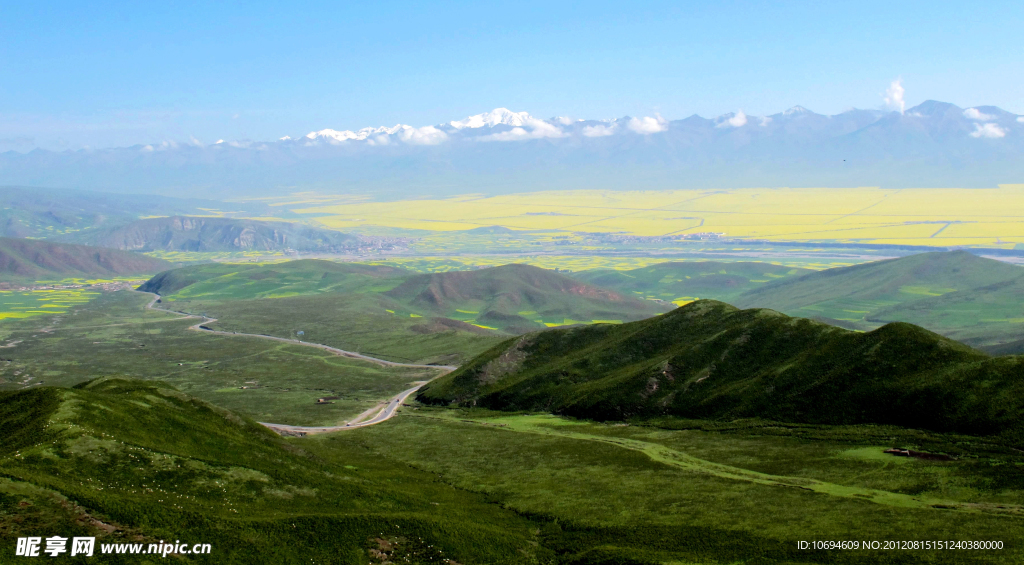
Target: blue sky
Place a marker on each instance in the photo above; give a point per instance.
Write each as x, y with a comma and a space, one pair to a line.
76, 74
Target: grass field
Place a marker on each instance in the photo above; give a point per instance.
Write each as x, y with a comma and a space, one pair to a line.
940, 217
718, 493
115, 336
349, 322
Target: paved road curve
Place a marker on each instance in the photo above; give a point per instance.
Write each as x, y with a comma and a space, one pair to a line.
386, 411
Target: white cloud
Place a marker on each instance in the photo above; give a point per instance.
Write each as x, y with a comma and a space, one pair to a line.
564, 120
537, 129
598, 131
218, 142
513, 134
648, 125
428, 135
739, 119
975, 114
765, 121
195, 141
286, 138
1021, 119
894, 95
493, 118
988, 130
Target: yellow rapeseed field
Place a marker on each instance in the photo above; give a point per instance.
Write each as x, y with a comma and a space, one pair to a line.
940, 217
23, 304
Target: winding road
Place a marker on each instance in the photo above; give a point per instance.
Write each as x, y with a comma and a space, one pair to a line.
380, 413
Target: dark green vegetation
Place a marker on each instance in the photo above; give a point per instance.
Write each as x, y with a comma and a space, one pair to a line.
132, 461
711, 360
700, 492
962, 296
114, 335
390, 312
183, 233
690, 280
32, 260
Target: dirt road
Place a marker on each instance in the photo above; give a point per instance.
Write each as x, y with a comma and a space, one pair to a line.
387, 408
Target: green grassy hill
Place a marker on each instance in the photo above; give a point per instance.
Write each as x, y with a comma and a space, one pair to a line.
204, 234
856, 297
31, 260
511, 298
518, 298
987, 316
129, 461
711, 360
686, 281
242, 281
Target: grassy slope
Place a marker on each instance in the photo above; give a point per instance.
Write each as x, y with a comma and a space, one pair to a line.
517, 298
854, 295
241, 281
29, 260
982, 316
353, 322
710, 360
690, 280
155, 464
385, 310
336, 304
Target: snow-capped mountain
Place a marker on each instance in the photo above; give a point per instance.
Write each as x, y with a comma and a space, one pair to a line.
932, 144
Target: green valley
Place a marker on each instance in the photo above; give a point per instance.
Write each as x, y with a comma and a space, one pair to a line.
706, 434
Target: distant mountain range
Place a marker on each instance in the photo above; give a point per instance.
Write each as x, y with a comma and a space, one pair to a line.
185, 233
934, 144
29, 260
47, 212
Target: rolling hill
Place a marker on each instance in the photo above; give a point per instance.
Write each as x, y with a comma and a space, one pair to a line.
856, 296
511, 298
138, 462
517, 298
713, 361
687, 281
31, 260
242, 281
186, 233
989, 317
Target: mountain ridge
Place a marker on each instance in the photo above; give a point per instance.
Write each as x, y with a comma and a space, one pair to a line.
932, 144
28, 259
709, 360
197, 233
